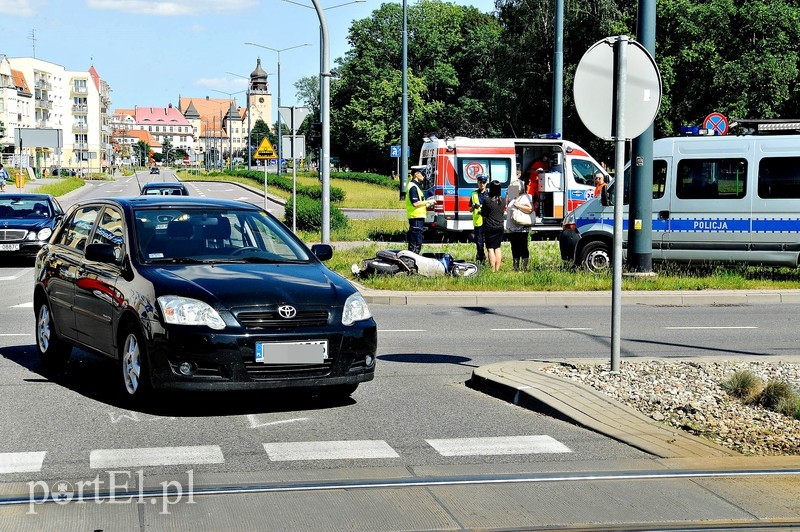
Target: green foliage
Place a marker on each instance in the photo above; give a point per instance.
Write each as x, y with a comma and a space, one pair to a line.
743, 384
61, 187
309, 215
365, 177
285, 183
775, 393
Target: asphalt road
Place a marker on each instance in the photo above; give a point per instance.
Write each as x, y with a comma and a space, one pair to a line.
416, 420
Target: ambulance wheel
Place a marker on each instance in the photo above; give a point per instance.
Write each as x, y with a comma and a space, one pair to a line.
596, 257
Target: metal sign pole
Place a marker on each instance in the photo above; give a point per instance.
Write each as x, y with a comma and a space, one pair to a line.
266, 197
618, 132
294, 177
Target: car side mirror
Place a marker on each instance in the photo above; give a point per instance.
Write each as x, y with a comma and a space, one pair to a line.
101, 252
322, 251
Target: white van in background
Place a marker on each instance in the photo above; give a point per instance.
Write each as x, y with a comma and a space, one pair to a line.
715, 198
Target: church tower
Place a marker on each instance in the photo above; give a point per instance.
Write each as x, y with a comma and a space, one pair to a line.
260, 103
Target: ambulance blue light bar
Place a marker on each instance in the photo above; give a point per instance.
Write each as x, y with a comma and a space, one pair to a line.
550, 136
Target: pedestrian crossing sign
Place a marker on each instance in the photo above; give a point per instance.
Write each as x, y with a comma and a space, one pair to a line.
265, 151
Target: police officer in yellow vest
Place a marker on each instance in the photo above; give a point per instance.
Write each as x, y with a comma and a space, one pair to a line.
415, 209
476, 199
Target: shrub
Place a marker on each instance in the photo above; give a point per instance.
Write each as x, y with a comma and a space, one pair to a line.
775, 393
285, 183
309, 215
743, 384
789, 406
364, 177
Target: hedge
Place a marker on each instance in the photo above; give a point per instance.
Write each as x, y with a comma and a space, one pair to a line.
309, 214
364, 177
284, 183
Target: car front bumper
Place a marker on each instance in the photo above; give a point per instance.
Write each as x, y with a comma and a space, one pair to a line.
26, 248
227, 361
568, 244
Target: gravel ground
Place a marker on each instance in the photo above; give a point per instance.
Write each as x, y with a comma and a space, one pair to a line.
688, 395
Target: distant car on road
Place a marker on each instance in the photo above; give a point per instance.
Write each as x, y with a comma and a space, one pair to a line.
155, 170
26, 222
189, 293
165, 189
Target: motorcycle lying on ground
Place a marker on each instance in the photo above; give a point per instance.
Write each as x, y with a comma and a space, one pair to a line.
403, 262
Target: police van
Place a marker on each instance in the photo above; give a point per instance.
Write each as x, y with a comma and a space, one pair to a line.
715, 198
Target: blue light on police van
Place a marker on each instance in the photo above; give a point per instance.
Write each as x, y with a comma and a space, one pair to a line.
690, 130
552, 135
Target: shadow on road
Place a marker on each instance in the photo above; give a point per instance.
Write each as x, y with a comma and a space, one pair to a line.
97, 378
427, 358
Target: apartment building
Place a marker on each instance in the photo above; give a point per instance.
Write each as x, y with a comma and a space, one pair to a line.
76, 102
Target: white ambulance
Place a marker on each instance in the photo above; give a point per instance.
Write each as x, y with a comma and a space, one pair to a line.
453, 165
715, 198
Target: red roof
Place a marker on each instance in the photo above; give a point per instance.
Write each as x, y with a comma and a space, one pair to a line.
162, 116
19, 81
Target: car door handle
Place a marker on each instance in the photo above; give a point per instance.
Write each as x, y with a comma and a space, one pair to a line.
663, 215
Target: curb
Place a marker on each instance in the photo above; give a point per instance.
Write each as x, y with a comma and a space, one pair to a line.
524, 384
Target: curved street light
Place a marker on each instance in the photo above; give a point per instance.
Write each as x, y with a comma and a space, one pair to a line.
278, 51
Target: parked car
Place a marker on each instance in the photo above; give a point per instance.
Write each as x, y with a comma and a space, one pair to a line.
155, 170
26, 222
165, 189
190, 293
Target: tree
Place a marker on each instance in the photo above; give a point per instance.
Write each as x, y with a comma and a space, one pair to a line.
450, 80
166, 148
142, 151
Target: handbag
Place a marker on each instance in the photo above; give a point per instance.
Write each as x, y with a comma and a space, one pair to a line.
520, 218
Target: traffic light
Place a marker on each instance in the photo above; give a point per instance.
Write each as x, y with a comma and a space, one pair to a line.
315, 135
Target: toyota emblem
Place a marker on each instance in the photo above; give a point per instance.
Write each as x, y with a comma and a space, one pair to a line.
287, 311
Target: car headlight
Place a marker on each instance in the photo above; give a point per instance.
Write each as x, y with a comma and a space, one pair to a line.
186, 311
44, 234
355, 309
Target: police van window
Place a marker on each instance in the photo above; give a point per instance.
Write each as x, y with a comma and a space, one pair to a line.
779, 177
584, 171
711, 179
497, 170
659, 179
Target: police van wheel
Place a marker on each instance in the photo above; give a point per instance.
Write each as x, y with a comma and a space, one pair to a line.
596, 257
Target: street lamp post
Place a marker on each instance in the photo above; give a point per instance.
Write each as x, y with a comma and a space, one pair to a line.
278, 51
230, 136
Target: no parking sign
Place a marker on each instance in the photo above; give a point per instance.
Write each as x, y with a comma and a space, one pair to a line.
717, 123
473, 169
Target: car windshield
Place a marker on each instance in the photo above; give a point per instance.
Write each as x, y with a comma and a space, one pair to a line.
11, 208
162, 191
203, 234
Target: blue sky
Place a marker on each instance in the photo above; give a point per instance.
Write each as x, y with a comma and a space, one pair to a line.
152, 51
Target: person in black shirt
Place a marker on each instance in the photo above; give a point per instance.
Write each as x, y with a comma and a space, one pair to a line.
492, 211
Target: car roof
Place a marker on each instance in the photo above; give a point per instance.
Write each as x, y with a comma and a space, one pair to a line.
163, 185
22, 195
131, 202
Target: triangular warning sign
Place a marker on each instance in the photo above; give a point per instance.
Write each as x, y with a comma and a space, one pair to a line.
265, 150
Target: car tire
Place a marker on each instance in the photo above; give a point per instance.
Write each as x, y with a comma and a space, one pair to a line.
133, 365
53, 351
596, 257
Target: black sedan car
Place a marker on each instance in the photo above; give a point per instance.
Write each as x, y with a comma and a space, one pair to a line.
174, 188
202, 294
155, 170
26, 222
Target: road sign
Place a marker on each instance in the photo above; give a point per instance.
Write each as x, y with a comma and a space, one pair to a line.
595, 95
186, 161
717, 123
394, 151
294, 146
293, 116
265, 150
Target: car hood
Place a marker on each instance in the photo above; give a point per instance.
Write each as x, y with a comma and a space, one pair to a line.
23, 223
243, 285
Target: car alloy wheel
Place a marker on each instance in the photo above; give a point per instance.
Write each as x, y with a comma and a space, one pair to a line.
52, 351
132, 360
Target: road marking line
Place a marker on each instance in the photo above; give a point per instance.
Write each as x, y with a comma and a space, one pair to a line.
16, 334
732, 327
255, 423
22, 462
155, 456
16, 276
29, 304
401, 330
548, 329
329, 450
498, 445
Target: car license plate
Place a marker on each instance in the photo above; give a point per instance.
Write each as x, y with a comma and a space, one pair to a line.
9, 247
311, 352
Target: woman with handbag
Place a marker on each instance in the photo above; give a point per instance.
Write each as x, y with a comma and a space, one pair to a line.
492, 211
519, 223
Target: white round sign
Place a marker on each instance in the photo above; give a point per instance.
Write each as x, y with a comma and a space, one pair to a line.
594, 89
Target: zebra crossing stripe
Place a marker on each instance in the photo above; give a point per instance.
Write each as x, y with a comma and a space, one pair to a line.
155, 456
329, 450
22, 462
498, 445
